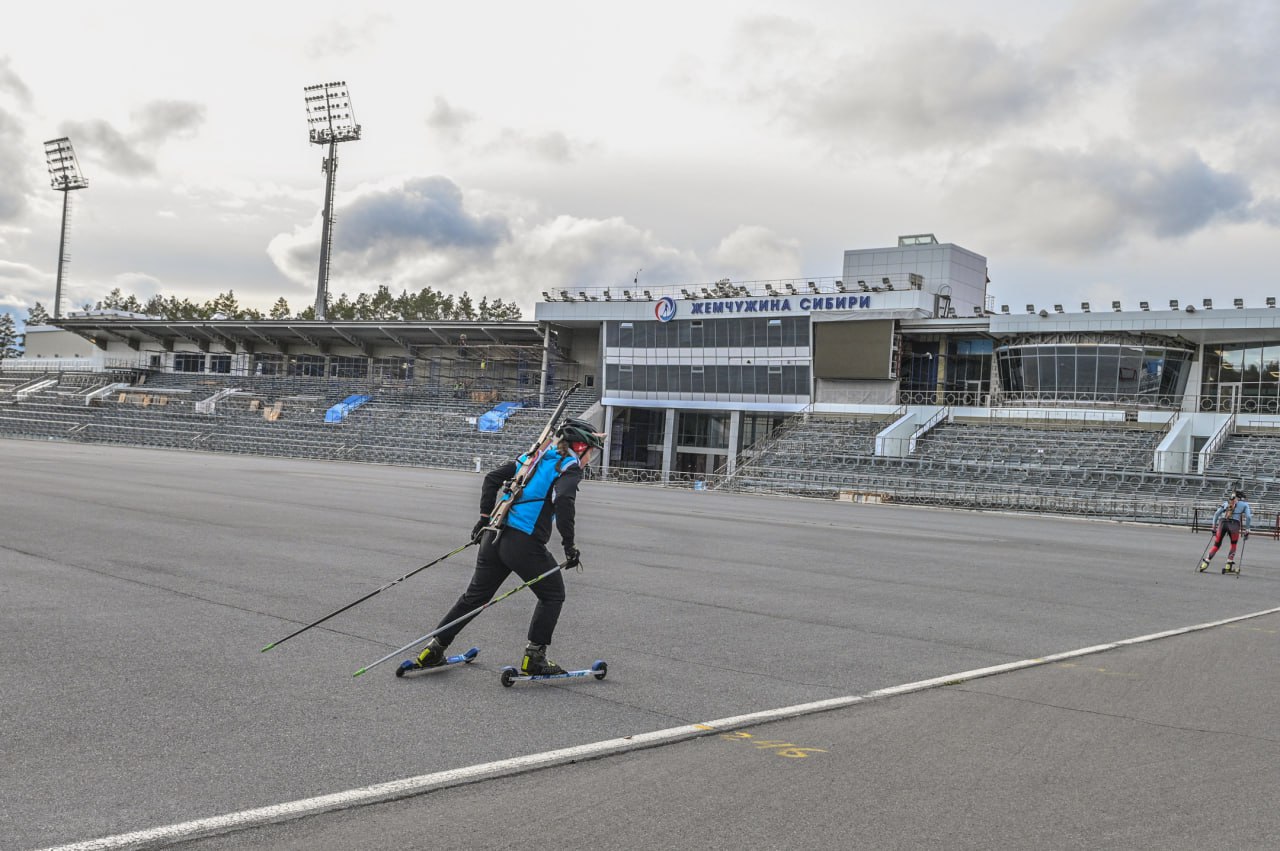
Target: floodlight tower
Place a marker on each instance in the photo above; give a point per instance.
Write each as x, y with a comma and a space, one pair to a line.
332, 121
64, 174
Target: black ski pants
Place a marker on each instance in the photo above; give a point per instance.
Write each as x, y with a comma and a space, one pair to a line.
520, 554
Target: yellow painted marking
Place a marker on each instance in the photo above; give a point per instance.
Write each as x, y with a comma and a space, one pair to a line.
798, 753
786, 749
1253, 629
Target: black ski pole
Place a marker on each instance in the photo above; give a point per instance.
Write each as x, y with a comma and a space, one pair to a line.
1213, 534
367, 596
456, 621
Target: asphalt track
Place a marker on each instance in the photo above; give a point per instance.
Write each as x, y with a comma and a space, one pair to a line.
137, 587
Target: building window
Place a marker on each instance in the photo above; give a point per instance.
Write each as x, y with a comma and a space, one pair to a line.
1109, 373
188, 362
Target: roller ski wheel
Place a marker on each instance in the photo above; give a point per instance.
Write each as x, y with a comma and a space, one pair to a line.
409, 665
511, 674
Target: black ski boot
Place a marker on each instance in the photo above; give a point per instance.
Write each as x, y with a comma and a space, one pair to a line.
535, 661
433, 655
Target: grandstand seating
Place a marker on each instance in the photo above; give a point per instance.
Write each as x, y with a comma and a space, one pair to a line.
417, 425
1103, 470
1091, 469
1252, 458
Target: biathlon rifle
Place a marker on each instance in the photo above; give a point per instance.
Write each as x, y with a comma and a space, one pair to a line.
526, 464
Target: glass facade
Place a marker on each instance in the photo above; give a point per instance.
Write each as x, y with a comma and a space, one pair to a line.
1241, 377
757, 332
963, 378
705, 431
738, 359
696, 379
1082, 372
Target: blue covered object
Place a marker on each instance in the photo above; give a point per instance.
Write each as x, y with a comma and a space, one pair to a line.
494, 420
339, 412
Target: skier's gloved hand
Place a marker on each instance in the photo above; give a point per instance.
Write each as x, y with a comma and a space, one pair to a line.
478, 529
572, 557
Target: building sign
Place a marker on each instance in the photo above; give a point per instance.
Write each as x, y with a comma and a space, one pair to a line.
665, 309
776, 305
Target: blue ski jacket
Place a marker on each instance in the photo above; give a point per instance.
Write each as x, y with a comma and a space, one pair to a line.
547, 499
1242, 513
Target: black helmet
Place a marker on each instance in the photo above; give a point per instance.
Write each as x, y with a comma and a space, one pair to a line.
1239, 494
580, 431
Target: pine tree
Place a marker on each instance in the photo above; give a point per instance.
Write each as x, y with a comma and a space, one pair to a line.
226, 305
427, 304
37, 315
8, 337
465, 309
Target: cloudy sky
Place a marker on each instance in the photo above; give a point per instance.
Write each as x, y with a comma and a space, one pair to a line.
1092, 150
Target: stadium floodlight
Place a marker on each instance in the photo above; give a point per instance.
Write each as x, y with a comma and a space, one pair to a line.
1057, 308
1208, 303
1084, 307
1238, 303
64, 175
1144, 305
331, 121
1115, 305
1271, 301
1173, 304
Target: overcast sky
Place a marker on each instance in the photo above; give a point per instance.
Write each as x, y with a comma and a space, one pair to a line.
1095, 150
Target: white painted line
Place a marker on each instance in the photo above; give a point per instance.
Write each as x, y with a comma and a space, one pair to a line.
411, 786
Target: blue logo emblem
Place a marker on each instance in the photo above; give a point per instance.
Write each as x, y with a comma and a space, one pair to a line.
665, 309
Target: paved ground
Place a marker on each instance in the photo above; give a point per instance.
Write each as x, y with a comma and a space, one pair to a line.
136, 588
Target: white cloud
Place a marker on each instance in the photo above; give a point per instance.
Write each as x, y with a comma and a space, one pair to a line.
578, 143
756, 252
132, 152
22, 285
1089, 201
427, 232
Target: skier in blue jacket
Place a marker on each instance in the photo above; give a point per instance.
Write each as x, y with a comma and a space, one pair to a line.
548, 499
1232, 518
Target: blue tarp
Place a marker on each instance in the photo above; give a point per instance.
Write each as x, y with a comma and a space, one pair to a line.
494, 420
339, 412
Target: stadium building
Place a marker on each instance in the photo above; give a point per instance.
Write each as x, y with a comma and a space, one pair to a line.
737, 382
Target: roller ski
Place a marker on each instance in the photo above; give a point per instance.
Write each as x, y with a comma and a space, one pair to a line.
433, 656
536, 666
511, 674
1230, 568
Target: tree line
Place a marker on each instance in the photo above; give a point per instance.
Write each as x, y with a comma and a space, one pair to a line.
427, 304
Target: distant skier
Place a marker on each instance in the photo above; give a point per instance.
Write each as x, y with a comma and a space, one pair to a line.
547, 499
1232, 517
